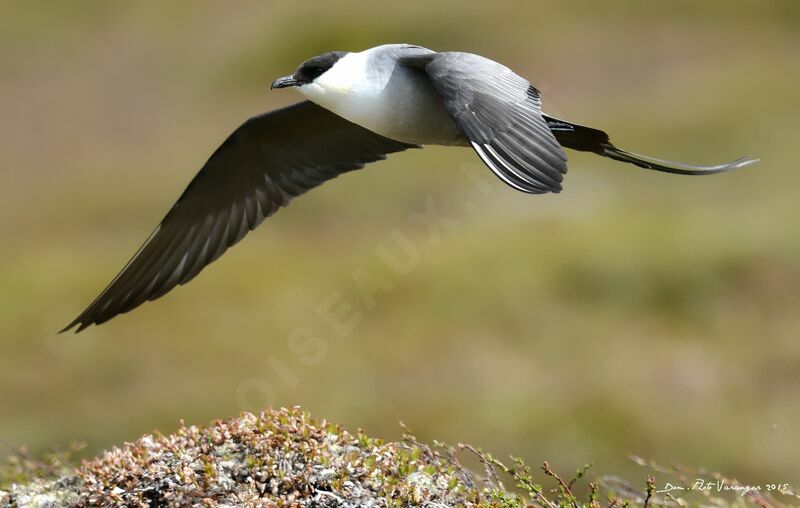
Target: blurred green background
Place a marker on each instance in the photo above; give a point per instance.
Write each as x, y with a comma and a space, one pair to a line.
635, 312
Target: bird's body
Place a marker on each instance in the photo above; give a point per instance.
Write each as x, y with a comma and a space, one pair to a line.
373, 89
363, 106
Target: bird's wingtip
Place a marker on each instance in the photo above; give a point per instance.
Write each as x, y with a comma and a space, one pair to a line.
67, 328
80, 324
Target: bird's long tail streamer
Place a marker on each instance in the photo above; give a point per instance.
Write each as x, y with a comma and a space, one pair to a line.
587, 139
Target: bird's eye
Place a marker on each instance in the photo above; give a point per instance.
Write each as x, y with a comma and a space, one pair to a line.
313, 72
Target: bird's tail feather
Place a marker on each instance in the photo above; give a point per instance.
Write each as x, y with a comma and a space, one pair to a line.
587, 139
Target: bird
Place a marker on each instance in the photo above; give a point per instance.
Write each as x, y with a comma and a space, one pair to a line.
360, 107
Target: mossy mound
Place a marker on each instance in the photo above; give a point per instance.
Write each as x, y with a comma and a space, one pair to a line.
285, 458
280, 457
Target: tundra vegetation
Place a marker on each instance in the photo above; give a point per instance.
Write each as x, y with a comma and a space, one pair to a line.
284, 457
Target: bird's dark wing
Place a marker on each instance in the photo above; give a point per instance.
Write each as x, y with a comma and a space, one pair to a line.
500, 113
265, 163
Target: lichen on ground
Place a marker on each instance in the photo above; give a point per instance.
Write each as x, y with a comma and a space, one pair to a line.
280, 457
285, 458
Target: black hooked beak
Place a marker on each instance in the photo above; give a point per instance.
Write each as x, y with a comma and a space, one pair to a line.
284, 82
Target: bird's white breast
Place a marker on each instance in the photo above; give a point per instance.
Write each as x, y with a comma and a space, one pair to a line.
370, 89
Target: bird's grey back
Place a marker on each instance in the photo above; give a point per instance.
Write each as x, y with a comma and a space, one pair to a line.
499, 112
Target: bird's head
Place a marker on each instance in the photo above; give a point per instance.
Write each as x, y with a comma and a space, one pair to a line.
309, 70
